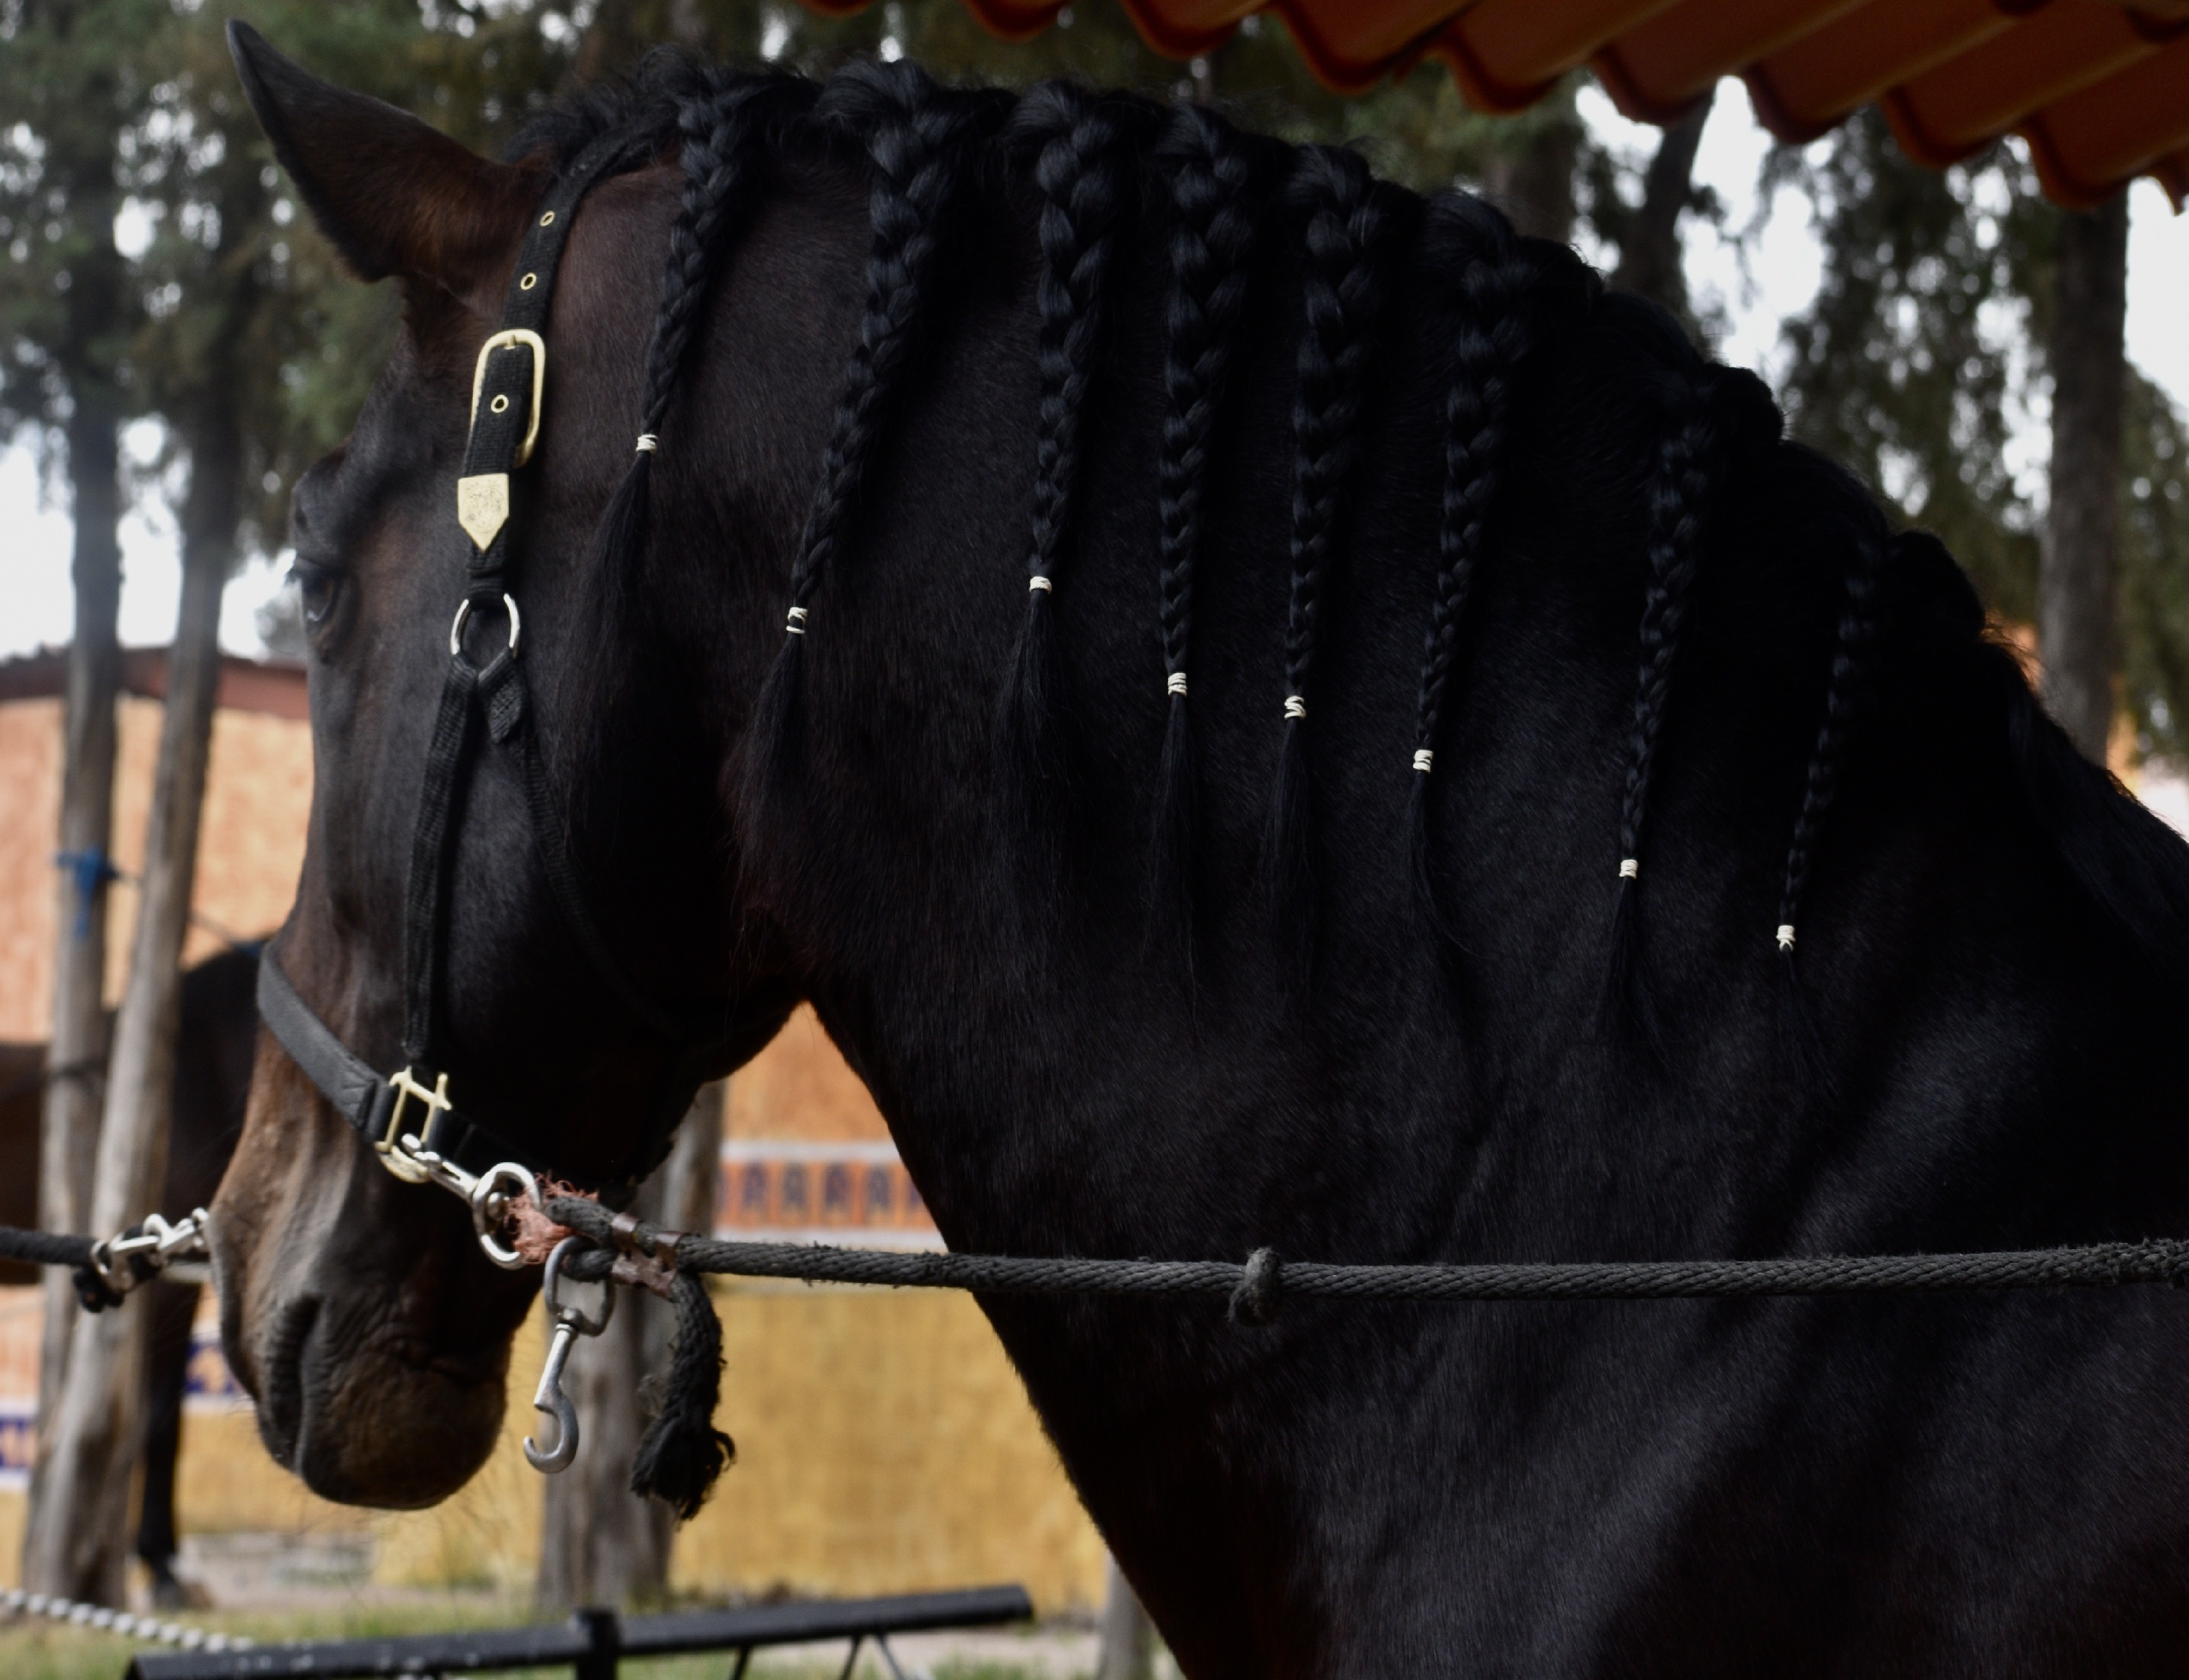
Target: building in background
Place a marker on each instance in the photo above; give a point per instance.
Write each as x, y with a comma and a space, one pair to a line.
883, 1442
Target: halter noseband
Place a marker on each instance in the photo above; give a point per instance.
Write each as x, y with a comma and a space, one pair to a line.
408, 1118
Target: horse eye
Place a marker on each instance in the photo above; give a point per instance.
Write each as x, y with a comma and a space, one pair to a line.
317, 591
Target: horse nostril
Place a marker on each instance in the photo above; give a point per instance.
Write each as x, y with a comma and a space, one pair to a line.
282, 1378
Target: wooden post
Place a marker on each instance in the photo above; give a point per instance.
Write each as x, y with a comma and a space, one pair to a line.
78, 1542
1128, 1649
600, 1544
76, 1053
2079, 564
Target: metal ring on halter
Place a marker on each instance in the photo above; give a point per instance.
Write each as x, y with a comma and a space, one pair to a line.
508, 1180
551, 1291
463, 617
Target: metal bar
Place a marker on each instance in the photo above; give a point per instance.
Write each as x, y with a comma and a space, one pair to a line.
602, 1634
744, 1656
851, 1661
569, 1643
666, 1635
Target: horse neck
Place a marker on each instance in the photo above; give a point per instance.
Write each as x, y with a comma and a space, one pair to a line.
978, 945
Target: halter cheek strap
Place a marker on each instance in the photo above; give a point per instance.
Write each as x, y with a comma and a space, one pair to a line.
409, 1117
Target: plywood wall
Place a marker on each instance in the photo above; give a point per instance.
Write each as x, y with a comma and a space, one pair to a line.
258, 794
884, 1442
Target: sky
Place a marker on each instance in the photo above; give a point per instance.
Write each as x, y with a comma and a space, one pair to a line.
1779, 278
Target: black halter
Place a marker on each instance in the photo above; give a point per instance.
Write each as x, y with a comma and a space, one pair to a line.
408, 1118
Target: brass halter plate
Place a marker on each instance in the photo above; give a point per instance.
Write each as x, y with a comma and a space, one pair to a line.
392, 1155
483, 507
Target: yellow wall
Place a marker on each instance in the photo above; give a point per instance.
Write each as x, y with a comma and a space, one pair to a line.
884, 1443
259, 794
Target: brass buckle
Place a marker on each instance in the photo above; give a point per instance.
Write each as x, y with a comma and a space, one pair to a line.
392, 1155
505, 339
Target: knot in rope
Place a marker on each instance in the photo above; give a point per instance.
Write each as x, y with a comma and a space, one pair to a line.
1261, 1289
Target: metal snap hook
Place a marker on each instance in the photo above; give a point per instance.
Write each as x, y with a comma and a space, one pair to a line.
551, 1291
550, 1399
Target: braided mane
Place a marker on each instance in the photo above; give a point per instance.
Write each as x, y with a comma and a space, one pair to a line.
1105, 172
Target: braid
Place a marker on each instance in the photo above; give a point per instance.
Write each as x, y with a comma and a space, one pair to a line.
1084, 174
1857, 630
1677, 496
914, 135
726, 147
1488, 346
1345, 278
1213, 233
723, 165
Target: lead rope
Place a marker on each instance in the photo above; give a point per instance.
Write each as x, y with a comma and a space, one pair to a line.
682, 1454
106, 1270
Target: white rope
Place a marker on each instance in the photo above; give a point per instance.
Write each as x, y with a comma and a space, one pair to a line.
1424, 758
796, 624
1630, 868
1039, 582
647, 442
1175, 683
1295, 708
1785, 935
129, 1626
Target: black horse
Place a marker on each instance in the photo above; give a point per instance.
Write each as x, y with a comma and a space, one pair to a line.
213, 1053
1588, 832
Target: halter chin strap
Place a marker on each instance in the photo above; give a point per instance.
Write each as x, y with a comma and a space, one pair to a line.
409, 1117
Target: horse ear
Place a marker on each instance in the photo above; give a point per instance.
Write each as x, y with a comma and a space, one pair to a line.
394, 195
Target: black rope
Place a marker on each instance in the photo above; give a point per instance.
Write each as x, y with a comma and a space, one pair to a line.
61, 1249
44, 1248
682, 1453
2099, 1265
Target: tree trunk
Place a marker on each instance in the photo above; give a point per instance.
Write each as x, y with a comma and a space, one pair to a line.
75, 1055
2078, 572
1531, 177
1649, 257
1128, 1649
600, 1543
78, 1542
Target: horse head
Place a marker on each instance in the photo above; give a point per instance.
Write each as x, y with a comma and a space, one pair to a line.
360, 1314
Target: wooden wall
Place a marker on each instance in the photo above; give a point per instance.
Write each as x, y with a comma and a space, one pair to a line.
884, 1443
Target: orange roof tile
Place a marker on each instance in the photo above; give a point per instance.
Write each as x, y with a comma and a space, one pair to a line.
2100, 89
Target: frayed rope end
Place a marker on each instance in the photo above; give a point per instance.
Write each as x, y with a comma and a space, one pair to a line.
683, 1454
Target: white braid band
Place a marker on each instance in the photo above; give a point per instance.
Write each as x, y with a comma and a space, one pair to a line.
1630, 868
1785, 935
1424, 758
797, 622
1041, 583
1175, 683
1295, 708
647, 442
